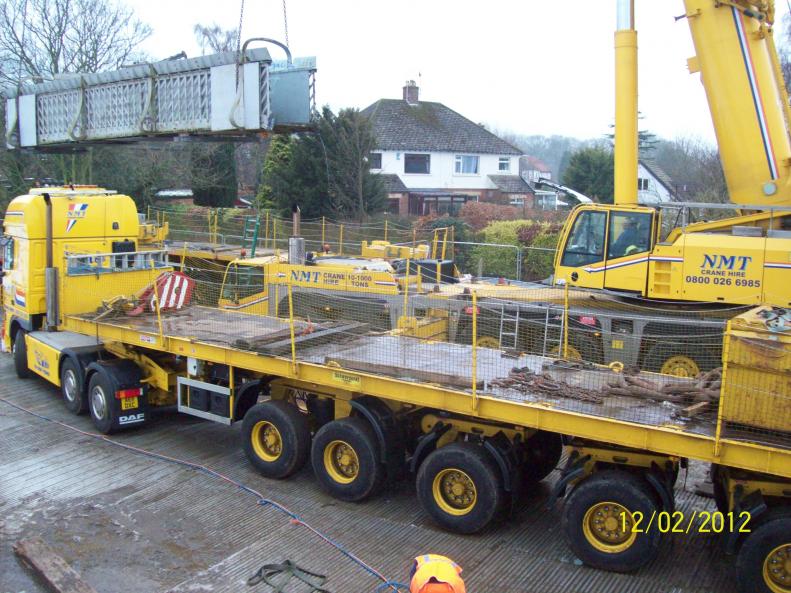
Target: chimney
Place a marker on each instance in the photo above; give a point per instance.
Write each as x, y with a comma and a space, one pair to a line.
411, 92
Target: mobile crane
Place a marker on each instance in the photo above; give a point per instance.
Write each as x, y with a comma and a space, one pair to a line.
741, 260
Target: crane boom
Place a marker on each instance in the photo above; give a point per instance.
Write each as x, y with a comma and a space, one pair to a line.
747, 98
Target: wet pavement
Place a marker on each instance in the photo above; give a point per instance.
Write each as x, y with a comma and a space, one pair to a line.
136, 524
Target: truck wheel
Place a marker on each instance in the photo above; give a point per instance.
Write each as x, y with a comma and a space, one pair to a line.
276, 438
718, 489
74, 397
460, 487
596, 513
672, 359
101, 403
764, 561
346, 459
19, 349
542, 454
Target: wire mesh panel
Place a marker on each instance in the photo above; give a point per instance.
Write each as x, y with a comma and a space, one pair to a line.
568, 349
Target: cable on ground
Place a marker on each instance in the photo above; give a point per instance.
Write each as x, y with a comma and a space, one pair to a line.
262, 500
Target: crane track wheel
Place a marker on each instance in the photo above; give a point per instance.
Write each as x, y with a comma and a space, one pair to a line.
276, 438
460, 487
603, 519
672, 359
346, 459
764, 561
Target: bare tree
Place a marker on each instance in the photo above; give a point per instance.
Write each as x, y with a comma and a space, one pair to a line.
214, 38
43, 38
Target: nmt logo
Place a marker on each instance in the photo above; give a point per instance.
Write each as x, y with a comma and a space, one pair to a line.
726, 262
305, 276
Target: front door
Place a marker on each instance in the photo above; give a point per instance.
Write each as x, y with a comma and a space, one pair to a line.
628, 245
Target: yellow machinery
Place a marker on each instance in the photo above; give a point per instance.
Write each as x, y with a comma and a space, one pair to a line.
745, 259
120, 331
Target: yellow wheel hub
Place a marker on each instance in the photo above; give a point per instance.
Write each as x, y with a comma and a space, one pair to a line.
267, 442
680, 366
777, 569
341, 462
488, 342
454, 492
571, 352
603, 527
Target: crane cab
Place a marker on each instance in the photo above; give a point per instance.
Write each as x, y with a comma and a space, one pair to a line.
607, 247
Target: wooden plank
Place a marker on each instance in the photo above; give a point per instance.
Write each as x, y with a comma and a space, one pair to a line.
694, 409
303, 338
401, 372
53, 570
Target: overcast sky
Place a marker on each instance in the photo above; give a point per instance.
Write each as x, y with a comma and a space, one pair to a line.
528, 66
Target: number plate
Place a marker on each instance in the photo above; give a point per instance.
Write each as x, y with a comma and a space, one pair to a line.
128, 403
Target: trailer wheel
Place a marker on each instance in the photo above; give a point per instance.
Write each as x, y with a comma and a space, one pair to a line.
101, 396
672, 359
346, 459
276, 438
764, 561
460, 487
596, 513
19, 350
718, 489
74, 397
542, 454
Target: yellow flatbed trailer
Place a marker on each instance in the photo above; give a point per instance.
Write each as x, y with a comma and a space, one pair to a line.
119, 330
458, 413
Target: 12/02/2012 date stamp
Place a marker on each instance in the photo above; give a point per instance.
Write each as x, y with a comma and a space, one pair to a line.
679, 522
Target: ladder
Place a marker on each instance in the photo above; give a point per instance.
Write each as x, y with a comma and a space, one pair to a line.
512, 335
252, 224
549, 343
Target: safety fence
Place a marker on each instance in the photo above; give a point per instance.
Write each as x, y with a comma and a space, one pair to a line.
569, 349
265, 234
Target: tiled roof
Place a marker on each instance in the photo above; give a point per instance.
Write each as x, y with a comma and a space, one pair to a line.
511, 184
392, 183
661, 176
430, 127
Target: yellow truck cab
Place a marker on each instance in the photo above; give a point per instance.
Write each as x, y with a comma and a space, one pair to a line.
744, 260
85, 220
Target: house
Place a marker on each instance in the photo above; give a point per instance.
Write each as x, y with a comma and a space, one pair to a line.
654, 186
435, 159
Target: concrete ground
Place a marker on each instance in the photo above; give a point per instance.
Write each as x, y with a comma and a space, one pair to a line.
133, 524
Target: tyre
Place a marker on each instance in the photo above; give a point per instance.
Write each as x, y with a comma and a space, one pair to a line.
764, 561
276, 438
460, 487
542, 454
71, 387
673, 359
19, 350
718, 489
346, 459
596, 513
101, 403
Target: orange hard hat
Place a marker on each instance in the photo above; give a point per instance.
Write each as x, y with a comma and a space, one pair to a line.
432, 573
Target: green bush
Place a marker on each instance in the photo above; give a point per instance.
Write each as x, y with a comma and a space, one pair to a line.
502, 261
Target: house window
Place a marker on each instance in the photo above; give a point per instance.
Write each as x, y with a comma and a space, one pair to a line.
642, 184
417, 163
504, 164
375, 158
466, 164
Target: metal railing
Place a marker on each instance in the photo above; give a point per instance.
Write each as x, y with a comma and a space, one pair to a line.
103, 263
